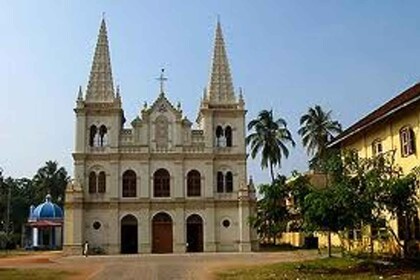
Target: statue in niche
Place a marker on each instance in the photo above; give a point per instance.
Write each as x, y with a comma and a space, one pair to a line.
161, 132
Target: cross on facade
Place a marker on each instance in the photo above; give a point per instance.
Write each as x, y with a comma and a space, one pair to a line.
162, 79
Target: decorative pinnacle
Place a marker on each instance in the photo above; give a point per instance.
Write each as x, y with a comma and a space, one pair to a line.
118, 91
204, 93
80, 94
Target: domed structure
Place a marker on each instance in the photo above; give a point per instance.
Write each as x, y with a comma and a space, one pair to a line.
47, 210
45, 222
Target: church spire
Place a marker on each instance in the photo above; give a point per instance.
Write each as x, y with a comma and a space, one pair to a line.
100, 87
220, 88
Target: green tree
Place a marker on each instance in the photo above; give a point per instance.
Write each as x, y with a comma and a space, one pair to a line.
272, 213
50, 179
271, 138
317, 128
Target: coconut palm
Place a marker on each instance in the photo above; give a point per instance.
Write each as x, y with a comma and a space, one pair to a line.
50, 179
270, 138
316, 129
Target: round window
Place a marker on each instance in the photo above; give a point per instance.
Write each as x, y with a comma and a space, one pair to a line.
96, 225
226, 223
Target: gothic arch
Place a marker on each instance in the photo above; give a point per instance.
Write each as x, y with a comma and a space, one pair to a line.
161, 183
162, 238
129, 234
220, 182
129, 183
193, 183
92, 134
229, 182
92, 182
103, 136
228, 135
102, 182
194, 230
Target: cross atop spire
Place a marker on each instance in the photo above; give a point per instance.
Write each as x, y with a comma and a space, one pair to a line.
100, 87
220, 87
162, 79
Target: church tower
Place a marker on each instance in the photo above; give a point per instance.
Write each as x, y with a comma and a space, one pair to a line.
99, 120
99, 115
222, 114
222, 118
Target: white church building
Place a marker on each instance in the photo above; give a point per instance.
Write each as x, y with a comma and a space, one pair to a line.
161, 184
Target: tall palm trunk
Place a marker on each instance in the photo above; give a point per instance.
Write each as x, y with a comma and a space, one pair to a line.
329, 244
272, 172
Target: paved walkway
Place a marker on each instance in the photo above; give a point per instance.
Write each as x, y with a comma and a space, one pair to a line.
159, 267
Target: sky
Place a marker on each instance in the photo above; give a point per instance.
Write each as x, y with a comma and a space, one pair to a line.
347, 56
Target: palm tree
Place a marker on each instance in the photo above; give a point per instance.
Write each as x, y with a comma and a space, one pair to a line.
50, 179
316, 129
270, 138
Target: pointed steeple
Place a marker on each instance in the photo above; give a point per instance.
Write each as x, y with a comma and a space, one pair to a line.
220, 87
100, 87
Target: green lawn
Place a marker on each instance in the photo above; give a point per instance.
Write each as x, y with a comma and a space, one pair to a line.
33, 274
328, 268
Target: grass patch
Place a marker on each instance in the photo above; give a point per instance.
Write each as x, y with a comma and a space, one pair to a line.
328, 268
34, 274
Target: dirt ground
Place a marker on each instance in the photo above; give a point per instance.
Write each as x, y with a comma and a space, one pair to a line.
150, 266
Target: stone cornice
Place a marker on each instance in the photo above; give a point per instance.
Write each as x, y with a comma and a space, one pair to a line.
158, 203
157, 156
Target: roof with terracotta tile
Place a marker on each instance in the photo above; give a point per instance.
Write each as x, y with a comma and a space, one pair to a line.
407, 97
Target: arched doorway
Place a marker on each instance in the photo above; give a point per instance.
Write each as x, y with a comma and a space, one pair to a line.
162, 233
129, 235
195, 233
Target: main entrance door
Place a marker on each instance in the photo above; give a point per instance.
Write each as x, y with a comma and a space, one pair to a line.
194, 233
162, 233
129, 242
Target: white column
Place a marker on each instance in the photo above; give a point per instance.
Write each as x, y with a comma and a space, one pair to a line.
34, 237
58, 236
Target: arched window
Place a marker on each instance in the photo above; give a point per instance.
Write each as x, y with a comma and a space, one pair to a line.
101, 182
103, 136
92, 182
228, 135
229, 182
220, 182
219, 136
92, 133
161, 183
193, 183
129, 183
408, 140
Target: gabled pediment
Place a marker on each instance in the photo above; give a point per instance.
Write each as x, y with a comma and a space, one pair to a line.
163, 106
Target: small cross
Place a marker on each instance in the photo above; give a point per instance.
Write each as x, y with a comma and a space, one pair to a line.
162, 79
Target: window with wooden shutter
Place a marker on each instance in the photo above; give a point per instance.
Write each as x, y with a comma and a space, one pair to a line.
129, 183
161, 183
92, 182
101, 182
193, 183
220, 182
408, 140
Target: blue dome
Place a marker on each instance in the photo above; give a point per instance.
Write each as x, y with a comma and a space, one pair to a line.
47, 210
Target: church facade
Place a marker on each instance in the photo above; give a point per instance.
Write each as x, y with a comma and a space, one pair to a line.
161, 185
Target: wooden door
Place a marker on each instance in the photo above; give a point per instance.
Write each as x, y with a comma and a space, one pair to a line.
162, 234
